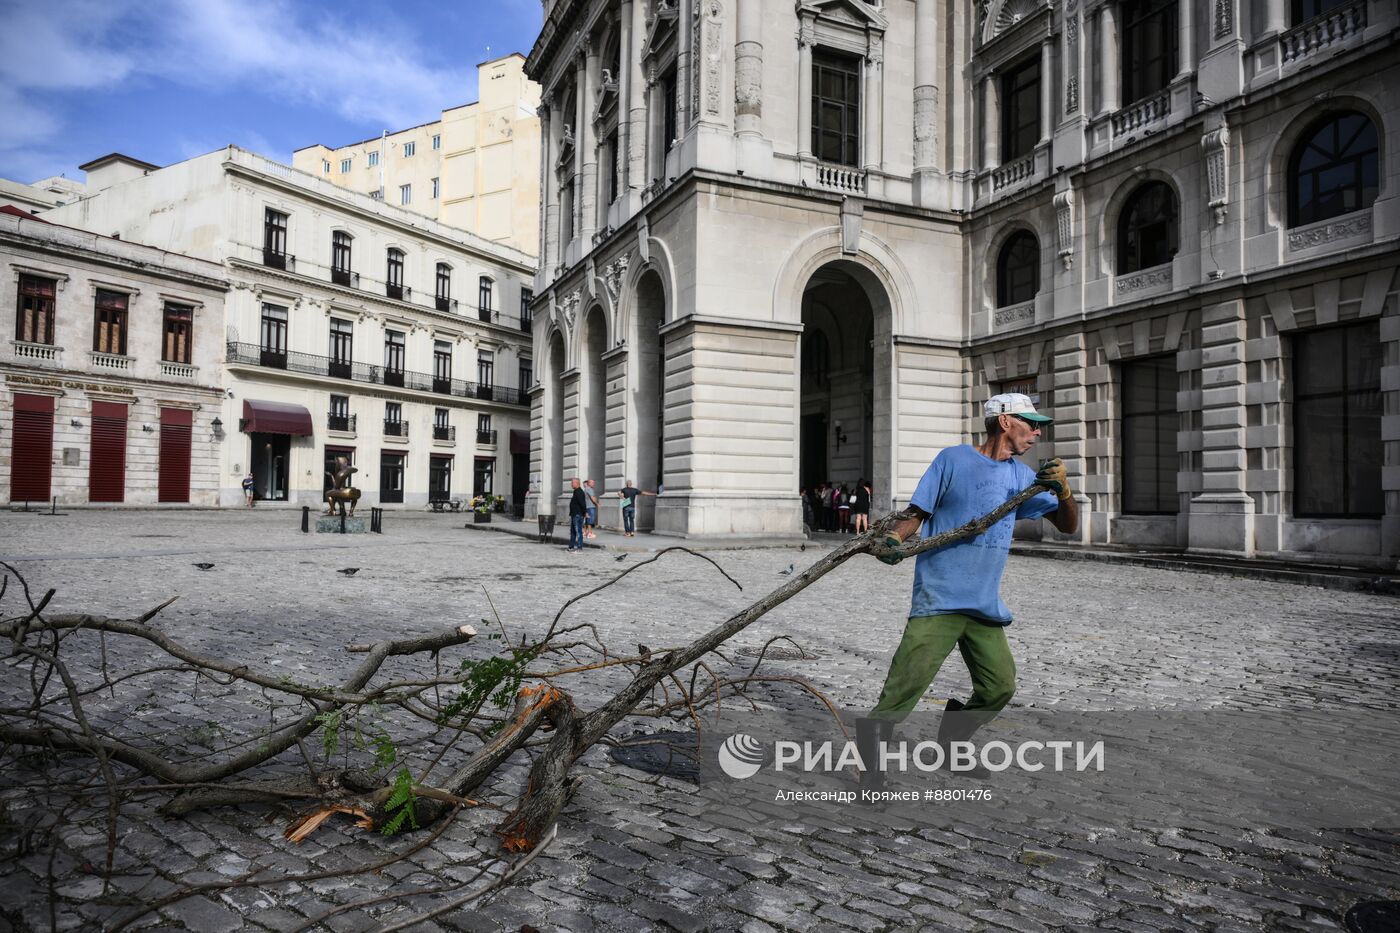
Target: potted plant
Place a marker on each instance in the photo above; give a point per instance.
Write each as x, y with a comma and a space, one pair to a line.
481, 510
498, 504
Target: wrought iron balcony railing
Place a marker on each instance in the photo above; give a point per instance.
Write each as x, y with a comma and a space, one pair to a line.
395, 428
251, 354
486, 438
278, 260
446, 304
525, 323
345, 277
444, 432
340, 422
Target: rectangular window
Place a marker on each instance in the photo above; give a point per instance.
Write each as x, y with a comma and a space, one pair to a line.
274, 239
836, 108
274, 336
610, 169
1020, 109
668, 113
35, 309
109, 322
373, 159
483, 296
409, 149
443, 284
526, 297
566, 211
1337, 411
338, 418
436, 189
483, 423
485, 367
345, 165
1149, 436
483, 476
405, 194
179, 333
393, 357
484, 434
439, 477
326, 166
442, 430
340, 255
527, 374
393, 275
342, 348
437, 141
1149, 37
442, 367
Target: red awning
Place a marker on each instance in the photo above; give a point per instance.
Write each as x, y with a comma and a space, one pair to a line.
519, 441
275, 418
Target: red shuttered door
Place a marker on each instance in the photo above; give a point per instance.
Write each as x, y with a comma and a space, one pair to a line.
107, 469
175, 424
31, 450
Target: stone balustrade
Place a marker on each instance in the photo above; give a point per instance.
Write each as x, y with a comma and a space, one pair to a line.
1322, 32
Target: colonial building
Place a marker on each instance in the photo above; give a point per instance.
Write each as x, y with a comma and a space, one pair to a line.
110, 388
353, 328
786, 243
476, 168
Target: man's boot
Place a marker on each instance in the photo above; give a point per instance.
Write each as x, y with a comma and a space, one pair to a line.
869, 734
959, 727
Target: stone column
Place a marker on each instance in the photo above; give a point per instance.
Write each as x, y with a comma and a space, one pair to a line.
1275, 17
580, 117
925, 86
656, 128
1108, 57
804, 92
636, 102
1071, 358
1222, 516
1186, 38
1047, 98
624, 98
991, 123
685, 48
748, 69
588, 142
873, 155
549, 195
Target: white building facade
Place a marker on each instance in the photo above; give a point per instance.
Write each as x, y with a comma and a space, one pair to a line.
784, 244
110, 379
353, 328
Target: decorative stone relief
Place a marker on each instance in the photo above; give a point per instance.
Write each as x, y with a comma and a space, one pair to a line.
569, 309
696, 45
714, 55
925, 124
612, 277
1331, 231
1008, 14
1215, 146
748, 79
1224, 18
1064, 226
1140, 281
1014, 315
1072, 56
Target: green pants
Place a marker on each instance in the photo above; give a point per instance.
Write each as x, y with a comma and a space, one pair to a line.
927, 642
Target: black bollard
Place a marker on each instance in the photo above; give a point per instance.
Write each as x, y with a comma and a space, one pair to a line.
342, 519
54, 509
306, 519
376, 521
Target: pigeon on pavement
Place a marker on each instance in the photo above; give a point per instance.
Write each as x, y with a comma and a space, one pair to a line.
620, 557
349, 571
205, 566
783, 573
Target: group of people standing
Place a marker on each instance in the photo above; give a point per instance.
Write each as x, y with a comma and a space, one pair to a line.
583, 510
843, 508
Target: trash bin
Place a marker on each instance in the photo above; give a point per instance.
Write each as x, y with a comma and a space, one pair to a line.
546, 529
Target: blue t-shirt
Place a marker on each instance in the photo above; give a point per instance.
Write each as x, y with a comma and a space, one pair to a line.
959, 486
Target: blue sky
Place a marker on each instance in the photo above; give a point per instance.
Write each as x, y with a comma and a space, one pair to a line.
164, 80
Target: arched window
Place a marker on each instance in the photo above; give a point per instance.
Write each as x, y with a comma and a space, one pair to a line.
393, 274
340, 257
1335, 169
1147, 234
483, 297
1018, 269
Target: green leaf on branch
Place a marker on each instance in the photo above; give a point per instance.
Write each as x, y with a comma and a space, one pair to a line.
399, 806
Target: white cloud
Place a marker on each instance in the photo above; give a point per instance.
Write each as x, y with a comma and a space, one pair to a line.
300, 55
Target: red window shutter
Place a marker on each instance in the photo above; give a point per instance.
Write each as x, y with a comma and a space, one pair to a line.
31, 451
175, 442
107, 468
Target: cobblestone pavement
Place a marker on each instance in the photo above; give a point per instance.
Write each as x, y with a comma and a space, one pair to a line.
636, 852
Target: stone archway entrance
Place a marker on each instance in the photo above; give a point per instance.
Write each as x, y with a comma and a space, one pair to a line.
552, 482
844, 407
593, 402
647, 395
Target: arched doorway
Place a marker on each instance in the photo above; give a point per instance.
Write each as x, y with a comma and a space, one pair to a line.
552, 482
844, 422
593, 400
646, 391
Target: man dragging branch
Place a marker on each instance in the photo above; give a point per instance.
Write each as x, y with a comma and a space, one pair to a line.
957, 588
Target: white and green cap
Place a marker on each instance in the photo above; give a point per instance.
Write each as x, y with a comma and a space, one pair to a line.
1014, 403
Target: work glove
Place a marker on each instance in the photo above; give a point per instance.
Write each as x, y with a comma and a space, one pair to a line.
891, 540
1052, 475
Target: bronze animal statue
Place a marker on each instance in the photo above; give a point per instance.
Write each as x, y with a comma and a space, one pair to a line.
341, 491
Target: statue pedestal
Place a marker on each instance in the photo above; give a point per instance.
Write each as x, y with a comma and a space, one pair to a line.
330, 524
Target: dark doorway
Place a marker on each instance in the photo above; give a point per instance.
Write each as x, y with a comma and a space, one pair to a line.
270, 456
813, 450
439, 477
519, 480
391, 477
483, 476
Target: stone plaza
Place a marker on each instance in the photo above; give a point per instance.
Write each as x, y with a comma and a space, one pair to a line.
634, 851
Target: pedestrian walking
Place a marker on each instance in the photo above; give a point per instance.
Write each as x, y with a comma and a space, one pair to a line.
578, 510
250, 486
843, 509
957, 589
628, 496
